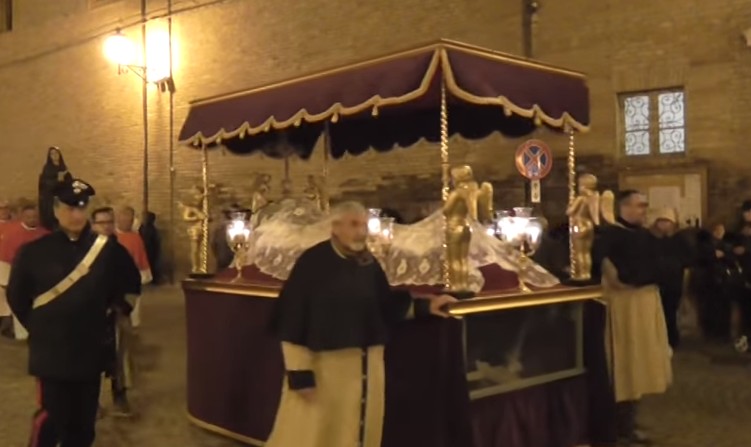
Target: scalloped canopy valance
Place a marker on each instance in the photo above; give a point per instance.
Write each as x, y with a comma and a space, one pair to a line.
394, 101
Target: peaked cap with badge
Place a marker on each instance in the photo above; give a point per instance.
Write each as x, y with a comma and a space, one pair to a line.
75, 193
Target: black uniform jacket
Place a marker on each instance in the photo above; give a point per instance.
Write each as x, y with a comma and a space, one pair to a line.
67, 335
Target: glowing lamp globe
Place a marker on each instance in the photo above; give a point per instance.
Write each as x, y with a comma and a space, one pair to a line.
119, 50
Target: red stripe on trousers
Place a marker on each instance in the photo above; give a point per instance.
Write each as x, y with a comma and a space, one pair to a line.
39, 419
37, 427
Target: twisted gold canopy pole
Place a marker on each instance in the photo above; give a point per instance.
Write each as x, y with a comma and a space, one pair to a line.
326, 152
573, 258
204, 267
445, 178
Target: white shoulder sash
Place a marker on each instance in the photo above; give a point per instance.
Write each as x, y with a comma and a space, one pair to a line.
81, 270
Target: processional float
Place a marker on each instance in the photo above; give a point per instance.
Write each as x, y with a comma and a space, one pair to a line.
429, 92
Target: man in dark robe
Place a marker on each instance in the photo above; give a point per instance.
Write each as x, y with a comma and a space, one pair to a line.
672, 259
637, 342
62, 287
332, 318
120, 331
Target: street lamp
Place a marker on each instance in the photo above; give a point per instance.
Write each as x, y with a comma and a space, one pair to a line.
120, 50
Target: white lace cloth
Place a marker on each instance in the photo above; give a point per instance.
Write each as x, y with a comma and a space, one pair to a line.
415, 257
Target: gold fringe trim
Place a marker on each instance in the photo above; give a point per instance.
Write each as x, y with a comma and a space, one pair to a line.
223, 431
535, 113
439, 59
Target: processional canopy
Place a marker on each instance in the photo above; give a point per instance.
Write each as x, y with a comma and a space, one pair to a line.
393, 101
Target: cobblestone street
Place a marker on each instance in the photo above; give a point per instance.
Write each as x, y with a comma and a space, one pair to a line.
709, 406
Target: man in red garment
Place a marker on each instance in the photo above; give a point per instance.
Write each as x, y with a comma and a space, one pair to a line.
6, 318
132, 242
15, 236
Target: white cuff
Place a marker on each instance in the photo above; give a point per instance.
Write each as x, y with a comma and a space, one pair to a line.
146, 277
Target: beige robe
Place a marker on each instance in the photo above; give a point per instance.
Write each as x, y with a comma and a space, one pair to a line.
636, 338
335, 416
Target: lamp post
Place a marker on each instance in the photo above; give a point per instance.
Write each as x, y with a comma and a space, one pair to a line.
121, 51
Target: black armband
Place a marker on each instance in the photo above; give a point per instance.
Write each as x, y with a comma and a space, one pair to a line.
421, 307
300, 380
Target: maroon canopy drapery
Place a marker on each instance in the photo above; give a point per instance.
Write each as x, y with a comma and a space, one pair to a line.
394, 101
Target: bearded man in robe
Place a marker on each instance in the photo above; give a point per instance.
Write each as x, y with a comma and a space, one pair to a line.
332, 318
132, 241
16, 235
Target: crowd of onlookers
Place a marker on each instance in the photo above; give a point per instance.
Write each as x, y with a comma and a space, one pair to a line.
705, 277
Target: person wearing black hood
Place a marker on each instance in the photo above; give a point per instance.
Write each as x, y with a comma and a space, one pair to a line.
151, 240
54, 174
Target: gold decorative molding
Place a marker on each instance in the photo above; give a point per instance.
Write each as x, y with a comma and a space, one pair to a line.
515, 300
242, 288
483, 303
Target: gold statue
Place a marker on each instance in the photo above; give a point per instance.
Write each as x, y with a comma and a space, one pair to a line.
195, 218
468, 201
260, 192
584, 214
286, 188
317, 192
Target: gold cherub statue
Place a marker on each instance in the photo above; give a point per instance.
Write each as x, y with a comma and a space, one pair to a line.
316, 192
468, 201
584, 214
195, 217
261, 190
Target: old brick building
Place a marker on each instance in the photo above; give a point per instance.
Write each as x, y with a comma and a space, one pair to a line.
56, 88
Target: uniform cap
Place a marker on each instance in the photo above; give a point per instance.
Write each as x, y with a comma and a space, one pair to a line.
75, 193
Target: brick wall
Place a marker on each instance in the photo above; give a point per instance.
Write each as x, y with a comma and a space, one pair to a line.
56, 88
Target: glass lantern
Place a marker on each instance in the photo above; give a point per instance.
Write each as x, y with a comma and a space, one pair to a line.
380, 233
521, 231
238, 238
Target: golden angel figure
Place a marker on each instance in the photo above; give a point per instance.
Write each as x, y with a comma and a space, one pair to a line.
195, 218
316, 192
584, 214
261, 189
467, 202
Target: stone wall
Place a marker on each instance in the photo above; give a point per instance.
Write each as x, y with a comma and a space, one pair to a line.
57, 89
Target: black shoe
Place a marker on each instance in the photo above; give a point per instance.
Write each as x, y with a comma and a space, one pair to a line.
6, 327
121, 407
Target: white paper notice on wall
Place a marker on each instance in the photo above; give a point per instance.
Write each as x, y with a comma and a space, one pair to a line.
664, 196
535, 191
